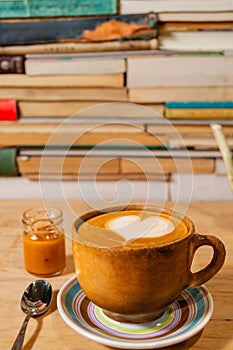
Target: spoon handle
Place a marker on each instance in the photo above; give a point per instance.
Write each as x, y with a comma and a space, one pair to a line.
18, 344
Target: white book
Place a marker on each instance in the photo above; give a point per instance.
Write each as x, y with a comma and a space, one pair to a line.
71, 65
178, 71
143, 6
203, 41
195, 16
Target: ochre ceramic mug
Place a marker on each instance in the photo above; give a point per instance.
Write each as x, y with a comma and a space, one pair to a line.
134, 261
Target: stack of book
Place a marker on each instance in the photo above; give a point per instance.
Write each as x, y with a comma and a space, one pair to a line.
192, 74
109, 31
131, 75
192, 25
65, 78
60, 60
58, 66
195, 90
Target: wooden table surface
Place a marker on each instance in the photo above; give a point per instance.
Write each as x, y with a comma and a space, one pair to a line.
50, 332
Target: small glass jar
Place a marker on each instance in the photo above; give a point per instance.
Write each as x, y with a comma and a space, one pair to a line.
43, 241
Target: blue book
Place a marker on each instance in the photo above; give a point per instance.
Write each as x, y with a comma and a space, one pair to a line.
20, 32
199, 104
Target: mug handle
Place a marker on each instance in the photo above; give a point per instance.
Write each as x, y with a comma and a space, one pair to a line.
202, 276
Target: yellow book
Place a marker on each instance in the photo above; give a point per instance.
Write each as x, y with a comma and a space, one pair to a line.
180, 93
64, 94
168, 165
55, 81
16, 134
199, 113
34, 109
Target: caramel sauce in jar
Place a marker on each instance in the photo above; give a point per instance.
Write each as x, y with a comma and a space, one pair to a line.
43, 241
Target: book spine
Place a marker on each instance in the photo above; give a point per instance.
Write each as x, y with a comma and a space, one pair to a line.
37, 134
8, 165
68, 66
47, 8
13, 9
72, 47
8, 110
65, 94
70, 29
136, 6
199, 113
199, 104
11, 64
51, 8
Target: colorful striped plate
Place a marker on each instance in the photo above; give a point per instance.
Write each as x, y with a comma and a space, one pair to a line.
185, 317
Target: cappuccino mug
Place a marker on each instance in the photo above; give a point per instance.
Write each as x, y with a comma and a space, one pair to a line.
134, 261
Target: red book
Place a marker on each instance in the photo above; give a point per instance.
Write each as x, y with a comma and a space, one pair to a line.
8, 110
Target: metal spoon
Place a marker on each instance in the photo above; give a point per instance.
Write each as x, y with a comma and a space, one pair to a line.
35, 301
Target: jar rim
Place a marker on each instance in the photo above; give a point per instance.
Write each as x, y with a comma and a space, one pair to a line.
39, 213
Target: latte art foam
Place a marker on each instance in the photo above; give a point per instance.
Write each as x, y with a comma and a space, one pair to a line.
132, 226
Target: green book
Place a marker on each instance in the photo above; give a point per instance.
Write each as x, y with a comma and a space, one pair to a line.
13, 9
52, 8
8, 165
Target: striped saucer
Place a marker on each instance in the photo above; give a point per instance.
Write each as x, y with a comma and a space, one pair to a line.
185, 317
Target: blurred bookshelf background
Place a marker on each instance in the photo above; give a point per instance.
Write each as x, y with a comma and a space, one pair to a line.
115, 91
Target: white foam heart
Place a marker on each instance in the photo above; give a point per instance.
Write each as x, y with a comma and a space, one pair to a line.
132, 227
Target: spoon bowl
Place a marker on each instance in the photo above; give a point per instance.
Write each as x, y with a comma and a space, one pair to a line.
36, 298
35, 301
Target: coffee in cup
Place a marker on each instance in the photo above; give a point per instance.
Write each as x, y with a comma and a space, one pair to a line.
133, 262
131, 227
